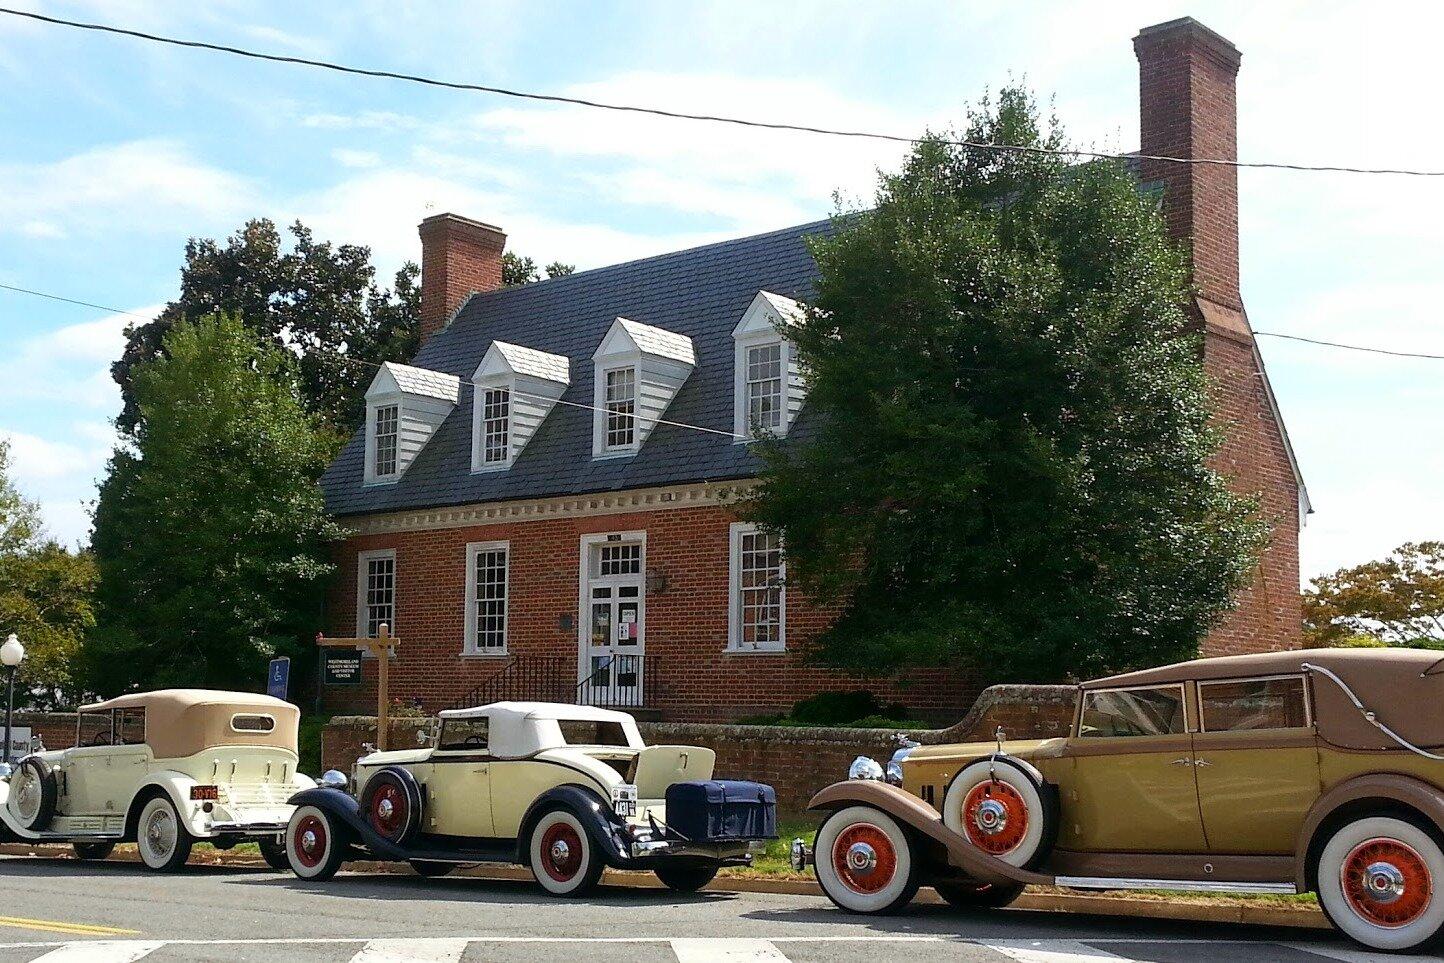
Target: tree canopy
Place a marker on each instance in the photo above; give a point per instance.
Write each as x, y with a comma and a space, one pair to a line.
1003, 457
1398, 600
211, 537
517, 269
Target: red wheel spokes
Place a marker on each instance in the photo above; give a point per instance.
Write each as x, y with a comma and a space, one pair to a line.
561, 852
995, 817
864, 858
309, 841
388, 810
1386, 882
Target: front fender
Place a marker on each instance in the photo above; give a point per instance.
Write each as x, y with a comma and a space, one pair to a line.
602, 824
344, 809
924, 819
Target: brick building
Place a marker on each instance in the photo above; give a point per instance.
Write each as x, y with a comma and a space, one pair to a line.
535, 520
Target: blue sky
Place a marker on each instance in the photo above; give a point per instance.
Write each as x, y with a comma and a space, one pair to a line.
114, 152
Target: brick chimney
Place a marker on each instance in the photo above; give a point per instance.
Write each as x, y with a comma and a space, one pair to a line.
1188, 108
459, 256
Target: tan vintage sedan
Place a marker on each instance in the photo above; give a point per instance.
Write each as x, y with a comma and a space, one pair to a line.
1290, 772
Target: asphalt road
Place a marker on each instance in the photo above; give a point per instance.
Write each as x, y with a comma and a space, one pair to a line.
63, 912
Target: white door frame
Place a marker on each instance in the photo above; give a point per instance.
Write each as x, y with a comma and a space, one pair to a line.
584, 601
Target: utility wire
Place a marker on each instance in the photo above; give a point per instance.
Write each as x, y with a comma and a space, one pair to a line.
684, 115
88, 304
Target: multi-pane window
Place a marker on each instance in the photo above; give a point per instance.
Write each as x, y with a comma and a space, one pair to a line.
764, 387
495, 420
620, 559
378, 593
488, 589
621, 407
758, 599
385, 435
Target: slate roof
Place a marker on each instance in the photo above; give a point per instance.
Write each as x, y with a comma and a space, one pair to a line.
537, 364
657, 341
700, 293
420, 381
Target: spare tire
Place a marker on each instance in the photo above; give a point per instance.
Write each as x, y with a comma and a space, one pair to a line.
33, 794
391, 805
1003, 808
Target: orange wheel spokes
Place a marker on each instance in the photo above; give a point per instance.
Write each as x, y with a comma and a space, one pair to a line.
995, 817
1386, 882
864, 858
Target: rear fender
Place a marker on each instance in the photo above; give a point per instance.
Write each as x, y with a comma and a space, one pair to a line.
346, 812
595, 814
1375, 790
177, 788
923, 819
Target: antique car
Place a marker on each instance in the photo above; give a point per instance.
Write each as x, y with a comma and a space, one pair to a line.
165, 770
1290, 772
566, 790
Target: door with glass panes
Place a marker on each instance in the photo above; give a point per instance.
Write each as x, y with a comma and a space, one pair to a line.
614, 632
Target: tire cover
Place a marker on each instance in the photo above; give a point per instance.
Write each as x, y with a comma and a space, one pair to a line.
36, 796
1003, 809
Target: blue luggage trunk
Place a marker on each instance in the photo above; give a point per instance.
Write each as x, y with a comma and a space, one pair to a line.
722, 809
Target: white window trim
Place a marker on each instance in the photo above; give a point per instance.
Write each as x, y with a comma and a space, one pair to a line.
741, 425
734, 594
363, 559
584, 589
373, 405
600, 449
469, 647
479, 464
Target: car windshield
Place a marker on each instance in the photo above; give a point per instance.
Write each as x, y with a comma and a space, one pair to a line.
587, 732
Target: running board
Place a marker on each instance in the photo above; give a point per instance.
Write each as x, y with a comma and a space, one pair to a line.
1179, 885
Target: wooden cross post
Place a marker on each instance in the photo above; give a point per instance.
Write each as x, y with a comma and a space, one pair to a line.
381, 646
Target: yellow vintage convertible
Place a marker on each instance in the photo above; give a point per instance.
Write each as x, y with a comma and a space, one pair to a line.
1290, 772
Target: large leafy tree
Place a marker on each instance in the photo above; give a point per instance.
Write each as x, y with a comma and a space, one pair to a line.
45, 598
211, 538
1397, 600
1003, 461
318, 300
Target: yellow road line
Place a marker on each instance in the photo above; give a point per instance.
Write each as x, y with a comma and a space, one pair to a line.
58, 926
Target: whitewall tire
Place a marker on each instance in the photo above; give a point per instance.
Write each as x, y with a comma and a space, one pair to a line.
312, 846
999, 809
163, 840
1381, 882
562, 856
865, 862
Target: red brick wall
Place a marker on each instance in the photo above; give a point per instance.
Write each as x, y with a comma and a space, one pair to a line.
458, 256
689, 675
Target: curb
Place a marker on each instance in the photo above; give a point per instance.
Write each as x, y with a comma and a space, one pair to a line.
1050, 902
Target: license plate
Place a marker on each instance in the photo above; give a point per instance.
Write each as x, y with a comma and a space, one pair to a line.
624, 801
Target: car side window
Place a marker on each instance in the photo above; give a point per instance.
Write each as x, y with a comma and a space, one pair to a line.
463, 735
1132, 712
94, 728
1247, 704
130, 727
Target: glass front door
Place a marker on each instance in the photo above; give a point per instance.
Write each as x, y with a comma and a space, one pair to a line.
615, 636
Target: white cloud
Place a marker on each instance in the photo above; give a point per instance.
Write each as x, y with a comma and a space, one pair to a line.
43, 230
347, 157
69, 365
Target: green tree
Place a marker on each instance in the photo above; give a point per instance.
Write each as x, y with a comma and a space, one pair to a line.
210, 538
517, 270
1012, 431
1397, 600
45, 598
317, 300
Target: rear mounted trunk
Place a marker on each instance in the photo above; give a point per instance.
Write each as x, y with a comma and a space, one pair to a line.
722, 810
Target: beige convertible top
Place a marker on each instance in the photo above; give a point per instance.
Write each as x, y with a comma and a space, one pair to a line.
183, 722
1404, 688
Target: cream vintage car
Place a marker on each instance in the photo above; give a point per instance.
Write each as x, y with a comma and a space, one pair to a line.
163, 769
564, 789
1315, 770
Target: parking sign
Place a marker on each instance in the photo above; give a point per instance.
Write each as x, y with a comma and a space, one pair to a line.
278, 679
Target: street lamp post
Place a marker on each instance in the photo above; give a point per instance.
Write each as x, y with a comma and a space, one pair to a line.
12, 653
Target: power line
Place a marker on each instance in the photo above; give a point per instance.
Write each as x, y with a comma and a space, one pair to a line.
1349, 347
88, 304
684, 115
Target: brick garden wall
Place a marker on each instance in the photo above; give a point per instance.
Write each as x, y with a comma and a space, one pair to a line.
55, 729
796, 761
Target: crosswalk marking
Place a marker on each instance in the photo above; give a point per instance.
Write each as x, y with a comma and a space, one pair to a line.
1050, 951
726, 951
411, 951
101, 951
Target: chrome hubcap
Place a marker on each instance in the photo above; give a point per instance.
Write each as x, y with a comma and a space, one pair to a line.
560, 852
158, 833
991, 817
861, 859
1384, 882
309, 842
384, 809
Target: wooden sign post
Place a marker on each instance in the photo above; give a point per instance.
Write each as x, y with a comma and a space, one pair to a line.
381, 647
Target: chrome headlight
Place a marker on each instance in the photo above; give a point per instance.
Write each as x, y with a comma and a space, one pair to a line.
5, 770
864, 768
333, 779
894, 765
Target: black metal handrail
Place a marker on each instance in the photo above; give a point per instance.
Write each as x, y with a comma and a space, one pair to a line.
530, 678
618, 681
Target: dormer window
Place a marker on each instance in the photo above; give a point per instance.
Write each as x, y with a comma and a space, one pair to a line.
639, 369
515, 389
769, 386
405, 406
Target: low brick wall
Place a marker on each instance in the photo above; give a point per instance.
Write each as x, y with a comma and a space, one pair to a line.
796, 761
55, 729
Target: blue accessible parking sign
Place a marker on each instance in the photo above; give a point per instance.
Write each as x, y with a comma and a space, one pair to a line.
278, 679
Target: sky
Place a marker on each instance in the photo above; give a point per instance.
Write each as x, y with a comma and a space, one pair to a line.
114, 152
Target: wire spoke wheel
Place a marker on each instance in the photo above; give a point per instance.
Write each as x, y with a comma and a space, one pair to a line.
561, 849
995, 817
388, 810
1386, 882
309, 838
864, 858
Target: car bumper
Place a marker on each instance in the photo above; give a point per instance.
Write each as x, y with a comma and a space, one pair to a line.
740, 851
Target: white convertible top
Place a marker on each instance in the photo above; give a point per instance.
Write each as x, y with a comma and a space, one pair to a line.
517, 729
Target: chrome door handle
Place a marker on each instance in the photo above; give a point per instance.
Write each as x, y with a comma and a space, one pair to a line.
1202, 762
1181, 762
481, 768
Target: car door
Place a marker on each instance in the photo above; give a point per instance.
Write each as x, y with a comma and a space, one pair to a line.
84, 782
1257, 763
458, 785
1130, 785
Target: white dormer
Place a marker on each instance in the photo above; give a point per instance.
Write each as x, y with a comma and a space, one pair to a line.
515, 389
639, 369
404, 407
768, 386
